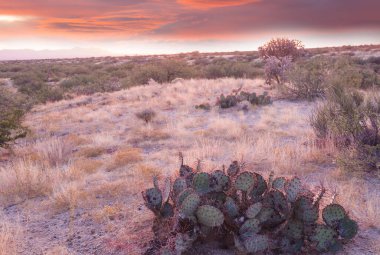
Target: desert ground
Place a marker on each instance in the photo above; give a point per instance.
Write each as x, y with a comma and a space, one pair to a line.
77, 183
73, 185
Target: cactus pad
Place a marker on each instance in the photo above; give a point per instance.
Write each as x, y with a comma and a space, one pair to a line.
305, 210
201, 183
347, 228
210, 216
260, 186
179, 185
279, 201
181, 197
294, 230
233, 169
256, 243
220, 181
251, 226
279, 183
167, 210
291, 246
185, 171
254, 210
231, 208
293, 188
190, 205
324, 237
244, 181
332, 214
153, 198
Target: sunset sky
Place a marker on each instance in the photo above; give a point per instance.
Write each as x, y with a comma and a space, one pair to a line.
170, 26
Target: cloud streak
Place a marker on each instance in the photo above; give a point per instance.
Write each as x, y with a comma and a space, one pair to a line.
180, 20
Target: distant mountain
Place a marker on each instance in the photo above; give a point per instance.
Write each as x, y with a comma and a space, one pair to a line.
25, 54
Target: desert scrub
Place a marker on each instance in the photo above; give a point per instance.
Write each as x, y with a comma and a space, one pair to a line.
244, 212
352, 121
146, 115
234, 98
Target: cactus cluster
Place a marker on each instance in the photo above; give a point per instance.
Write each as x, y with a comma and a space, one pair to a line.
233, 99
245, 212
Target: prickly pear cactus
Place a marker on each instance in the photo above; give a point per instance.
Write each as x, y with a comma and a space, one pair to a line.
245, 210
244, 181
210, 216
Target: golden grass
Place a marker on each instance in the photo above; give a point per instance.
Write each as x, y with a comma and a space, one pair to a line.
125, 157
67, 195
82, 167
23, 179
91, 152
10, 236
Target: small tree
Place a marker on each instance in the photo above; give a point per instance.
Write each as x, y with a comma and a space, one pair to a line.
278, 55
282, 47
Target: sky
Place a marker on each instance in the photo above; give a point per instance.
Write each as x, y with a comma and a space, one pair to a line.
134, 27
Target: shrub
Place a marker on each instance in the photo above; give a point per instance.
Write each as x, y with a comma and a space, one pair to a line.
224, 68
308, 79
353, 122
243, 212
282, 47
146, 115
12, 109
235, 98
276, 69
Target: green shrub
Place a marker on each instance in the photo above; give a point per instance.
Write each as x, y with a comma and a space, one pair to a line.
224, 68
353, 122
307, 79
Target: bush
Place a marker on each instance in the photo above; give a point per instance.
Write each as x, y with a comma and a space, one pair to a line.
353, 123
146, 115
276, 69
282, 47
221, 69
11, 113
308, 79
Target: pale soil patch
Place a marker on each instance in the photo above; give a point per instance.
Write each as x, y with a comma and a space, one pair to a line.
101, 156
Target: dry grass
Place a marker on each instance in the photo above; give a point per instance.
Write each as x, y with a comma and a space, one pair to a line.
124, 157
24, 179
91, 152
10, 236
82, 167
275, 137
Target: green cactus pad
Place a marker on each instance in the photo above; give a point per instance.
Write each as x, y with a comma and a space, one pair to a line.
220, 181
233, 169
324, 237
201, 183
305, 210
347, 228
181, 197
293, 188
231, 208
254, 210
245, 181
251, 226
256, 243
279, 183
332, 214
185, 171
153, 198
179, 185
167, 210
265, 214
190, 205
294, 229
260, 186
279, 201
210, 216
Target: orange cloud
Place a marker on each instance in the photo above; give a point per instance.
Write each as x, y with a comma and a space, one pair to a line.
207, 4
